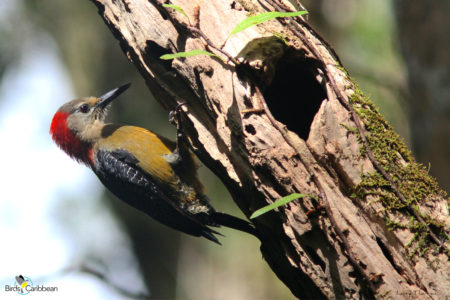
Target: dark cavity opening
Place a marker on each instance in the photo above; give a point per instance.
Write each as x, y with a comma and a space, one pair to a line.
250, 129
315, 257
387, 254
156, 51
295, 94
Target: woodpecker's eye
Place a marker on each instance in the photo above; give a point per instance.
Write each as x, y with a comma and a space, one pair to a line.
84, 108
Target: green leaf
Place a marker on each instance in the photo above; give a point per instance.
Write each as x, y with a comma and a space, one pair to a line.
177, 8
278, 203
187, 54
258, 19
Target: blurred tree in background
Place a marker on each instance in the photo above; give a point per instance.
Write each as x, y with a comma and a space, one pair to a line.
424, 39
364, 35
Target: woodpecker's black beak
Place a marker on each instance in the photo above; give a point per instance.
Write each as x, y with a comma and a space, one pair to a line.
106, 99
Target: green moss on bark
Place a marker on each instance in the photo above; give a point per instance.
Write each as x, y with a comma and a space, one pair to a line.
411, 178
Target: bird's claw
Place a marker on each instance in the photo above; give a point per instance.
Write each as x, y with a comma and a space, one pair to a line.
182, 148
174, 115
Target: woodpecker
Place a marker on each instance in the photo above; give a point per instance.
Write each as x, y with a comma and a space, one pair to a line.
147, 171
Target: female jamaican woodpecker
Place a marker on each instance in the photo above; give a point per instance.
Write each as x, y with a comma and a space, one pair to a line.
146, 170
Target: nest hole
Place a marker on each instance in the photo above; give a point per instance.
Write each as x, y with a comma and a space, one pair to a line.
295, 94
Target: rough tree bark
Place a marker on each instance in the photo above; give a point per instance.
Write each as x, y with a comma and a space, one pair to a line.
279, 115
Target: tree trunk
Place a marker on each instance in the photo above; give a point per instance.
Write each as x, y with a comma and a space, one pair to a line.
279, 115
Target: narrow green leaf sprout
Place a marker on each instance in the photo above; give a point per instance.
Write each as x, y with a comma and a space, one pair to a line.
188, 54
258, 19
177, 8
278, 203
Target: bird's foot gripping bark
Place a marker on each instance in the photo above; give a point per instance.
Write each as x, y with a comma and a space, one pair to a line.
182, 147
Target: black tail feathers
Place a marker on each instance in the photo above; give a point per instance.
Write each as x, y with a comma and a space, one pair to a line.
210, 235
230, 221
217, 219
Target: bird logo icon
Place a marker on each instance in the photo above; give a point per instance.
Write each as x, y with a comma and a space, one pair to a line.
23, 282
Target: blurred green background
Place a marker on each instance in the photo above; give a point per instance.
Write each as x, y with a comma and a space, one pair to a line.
52, 51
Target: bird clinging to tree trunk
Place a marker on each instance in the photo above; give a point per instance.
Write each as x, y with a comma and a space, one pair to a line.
148, 171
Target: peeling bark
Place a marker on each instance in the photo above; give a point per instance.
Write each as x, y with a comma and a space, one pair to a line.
284, 117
